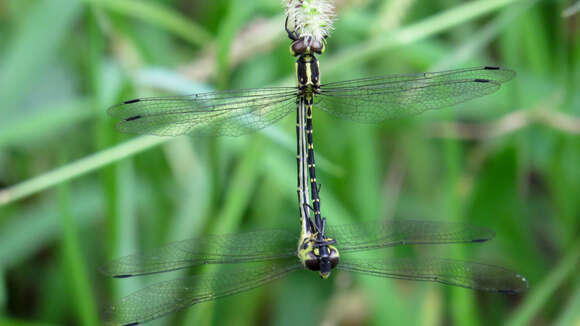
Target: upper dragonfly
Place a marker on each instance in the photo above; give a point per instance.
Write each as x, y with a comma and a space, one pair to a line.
367, 100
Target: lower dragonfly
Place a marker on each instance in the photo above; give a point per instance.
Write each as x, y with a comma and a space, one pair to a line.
277, 247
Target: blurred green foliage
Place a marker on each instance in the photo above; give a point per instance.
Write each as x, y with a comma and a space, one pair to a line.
75, 193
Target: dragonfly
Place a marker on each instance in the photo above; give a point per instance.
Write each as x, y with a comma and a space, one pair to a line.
283, 252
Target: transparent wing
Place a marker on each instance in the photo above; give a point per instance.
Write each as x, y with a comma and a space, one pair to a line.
364, 236
162, 298
396, 96
219, 249
447, 271
230, 113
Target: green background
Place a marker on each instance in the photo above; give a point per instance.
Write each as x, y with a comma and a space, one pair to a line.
75, 193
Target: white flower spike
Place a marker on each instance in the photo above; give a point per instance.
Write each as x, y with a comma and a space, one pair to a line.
310, 19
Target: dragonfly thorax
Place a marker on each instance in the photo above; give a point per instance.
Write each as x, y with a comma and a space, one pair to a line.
319, 256
308, 74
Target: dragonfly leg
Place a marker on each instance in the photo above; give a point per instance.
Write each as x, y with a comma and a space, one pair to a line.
291, 34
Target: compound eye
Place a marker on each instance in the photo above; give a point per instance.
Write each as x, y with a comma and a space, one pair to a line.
333, 261
312, 262
317, 46
298, 47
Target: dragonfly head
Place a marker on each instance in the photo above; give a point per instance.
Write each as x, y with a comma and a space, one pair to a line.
318, 256
302, 46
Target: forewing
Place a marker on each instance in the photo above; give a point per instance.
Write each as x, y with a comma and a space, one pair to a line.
163, 298
219, 249
447, 271
376, 99
363, 236
230, 113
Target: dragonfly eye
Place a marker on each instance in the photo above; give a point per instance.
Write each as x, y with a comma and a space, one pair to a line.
312, 262
317, 46
298, 47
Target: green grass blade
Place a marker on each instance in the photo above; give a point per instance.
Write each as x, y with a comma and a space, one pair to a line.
78, 168
570, 315
157, 14
540, 294
74, 262
41, 223
228, 219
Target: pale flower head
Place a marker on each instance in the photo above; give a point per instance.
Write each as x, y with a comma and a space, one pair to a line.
310, 19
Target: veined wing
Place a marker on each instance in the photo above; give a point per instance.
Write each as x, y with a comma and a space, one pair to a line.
219, 249
364, 236
163, 298
447, 271
230, 113
396, 96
